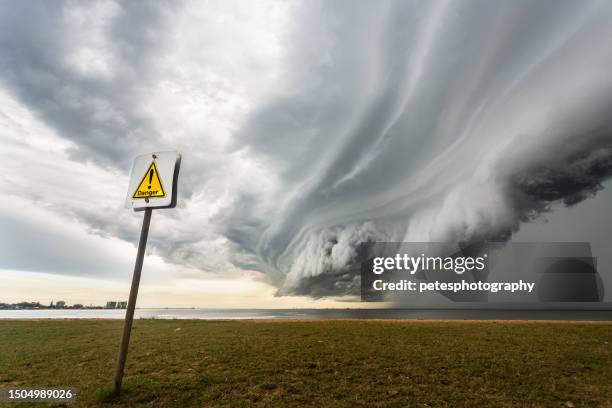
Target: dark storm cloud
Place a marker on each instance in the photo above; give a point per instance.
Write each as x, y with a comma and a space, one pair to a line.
405, 111
571, 180
386, 121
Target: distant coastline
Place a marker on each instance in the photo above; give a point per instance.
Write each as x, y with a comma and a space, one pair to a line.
60, 305
597, 312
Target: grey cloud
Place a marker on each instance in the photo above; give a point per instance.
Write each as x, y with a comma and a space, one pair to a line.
423, 107
569, 179
42, 245
99, 114
390, 121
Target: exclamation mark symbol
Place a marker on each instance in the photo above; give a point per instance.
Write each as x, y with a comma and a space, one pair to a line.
150, 178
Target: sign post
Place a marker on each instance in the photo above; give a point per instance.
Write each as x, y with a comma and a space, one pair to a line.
129, 314
146, 193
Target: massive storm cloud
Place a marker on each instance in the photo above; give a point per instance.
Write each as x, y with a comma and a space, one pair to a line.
347, 122
451, 122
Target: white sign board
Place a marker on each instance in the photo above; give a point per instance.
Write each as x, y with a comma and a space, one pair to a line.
153, 181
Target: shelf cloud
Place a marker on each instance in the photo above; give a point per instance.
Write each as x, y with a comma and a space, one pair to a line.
309, 127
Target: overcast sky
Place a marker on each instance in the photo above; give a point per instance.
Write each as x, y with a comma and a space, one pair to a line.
305, 128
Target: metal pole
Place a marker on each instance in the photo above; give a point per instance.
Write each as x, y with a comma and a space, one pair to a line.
129, 314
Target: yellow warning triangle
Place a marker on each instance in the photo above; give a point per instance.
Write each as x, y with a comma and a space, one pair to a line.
151, 185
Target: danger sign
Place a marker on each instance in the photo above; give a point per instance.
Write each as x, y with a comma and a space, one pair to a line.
146, 192
150, 185
153, 181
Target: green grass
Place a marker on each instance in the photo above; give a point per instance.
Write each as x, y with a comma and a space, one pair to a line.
322, 363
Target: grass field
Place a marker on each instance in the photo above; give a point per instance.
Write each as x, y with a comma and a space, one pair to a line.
321, 363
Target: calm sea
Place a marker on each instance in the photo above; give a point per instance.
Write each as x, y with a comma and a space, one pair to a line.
592, 312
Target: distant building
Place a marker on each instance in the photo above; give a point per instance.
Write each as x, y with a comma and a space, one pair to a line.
51, 305
122, 305
77, 306
111, 304
60, 304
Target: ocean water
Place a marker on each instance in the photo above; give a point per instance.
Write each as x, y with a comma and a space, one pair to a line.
601, 312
